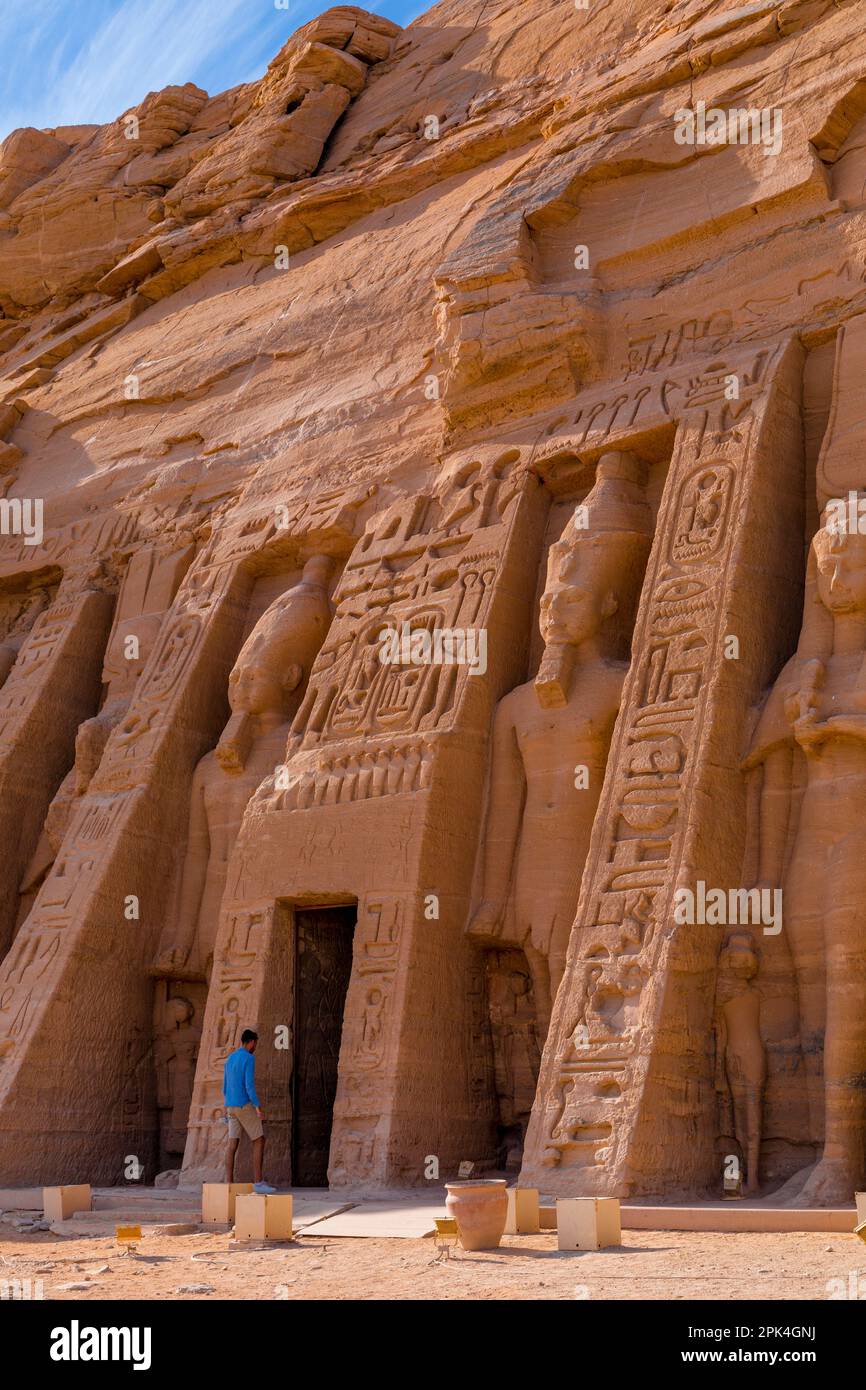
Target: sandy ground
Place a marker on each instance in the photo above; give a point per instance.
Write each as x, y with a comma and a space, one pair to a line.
648, 1265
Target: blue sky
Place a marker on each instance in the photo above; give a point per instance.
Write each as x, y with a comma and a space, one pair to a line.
71, 62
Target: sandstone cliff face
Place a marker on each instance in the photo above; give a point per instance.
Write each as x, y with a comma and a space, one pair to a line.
364, 334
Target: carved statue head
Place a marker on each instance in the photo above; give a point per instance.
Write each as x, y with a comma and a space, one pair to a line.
573, 610
519, 983
279, 652
178, 1011
594, 570
840, 555
740, 955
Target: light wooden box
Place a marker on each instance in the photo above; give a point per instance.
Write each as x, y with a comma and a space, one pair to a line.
587, 1223
260, 1217
59, 1203
522, 1218
218, 1201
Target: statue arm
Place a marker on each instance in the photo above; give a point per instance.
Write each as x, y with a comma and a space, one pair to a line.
775, 811
771, 763
774, 727
504, 813
191, 888
725, 1112
852, 725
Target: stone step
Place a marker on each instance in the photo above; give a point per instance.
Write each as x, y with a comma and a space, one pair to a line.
20, 1198
145, 1204
115, 1198
103, 1224
135, 1213
737, 1216
719, 1217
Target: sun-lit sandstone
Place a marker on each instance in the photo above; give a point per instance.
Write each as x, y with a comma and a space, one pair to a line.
441, 329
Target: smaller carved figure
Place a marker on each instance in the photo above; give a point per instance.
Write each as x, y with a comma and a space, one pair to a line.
516, 1053
741, 1061
176, 1044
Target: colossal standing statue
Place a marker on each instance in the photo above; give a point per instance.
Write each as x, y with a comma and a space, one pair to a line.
811, 746
551, 736
265, 687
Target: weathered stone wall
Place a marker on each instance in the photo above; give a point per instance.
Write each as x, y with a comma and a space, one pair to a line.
542, 336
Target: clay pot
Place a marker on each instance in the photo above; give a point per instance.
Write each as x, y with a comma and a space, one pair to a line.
480, 1210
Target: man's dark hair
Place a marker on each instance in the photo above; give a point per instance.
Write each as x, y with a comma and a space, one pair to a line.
249, 1036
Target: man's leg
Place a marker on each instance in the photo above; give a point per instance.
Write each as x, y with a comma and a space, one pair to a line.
230, 1159
806, 893
258, 1157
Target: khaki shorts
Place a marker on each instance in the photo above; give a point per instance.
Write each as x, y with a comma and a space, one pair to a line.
244, 1117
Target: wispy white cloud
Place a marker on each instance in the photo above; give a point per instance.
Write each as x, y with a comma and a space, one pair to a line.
89, 61
118, 53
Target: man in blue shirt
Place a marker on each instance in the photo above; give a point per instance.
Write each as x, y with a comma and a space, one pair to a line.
243, 1111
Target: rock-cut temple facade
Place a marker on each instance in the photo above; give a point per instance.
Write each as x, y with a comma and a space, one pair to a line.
433, 608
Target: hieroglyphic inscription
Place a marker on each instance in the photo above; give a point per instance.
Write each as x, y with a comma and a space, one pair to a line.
99, 820
232, 1004
132, 745
55, 629
625, 901
381, 928
97, 537
37, 951
428, 563
651, 348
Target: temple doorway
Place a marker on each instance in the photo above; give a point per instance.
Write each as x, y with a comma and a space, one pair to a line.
323, 964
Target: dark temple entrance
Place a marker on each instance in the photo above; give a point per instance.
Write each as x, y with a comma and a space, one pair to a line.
323, 964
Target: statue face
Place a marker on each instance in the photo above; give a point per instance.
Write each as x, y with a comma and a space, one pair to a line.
254, 689
740, 957
569, 613
742, 963
178, 1011
841, 558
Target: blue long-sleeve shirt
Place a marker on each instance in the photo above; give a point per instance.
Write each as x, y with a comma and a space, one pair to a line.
239, 1079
